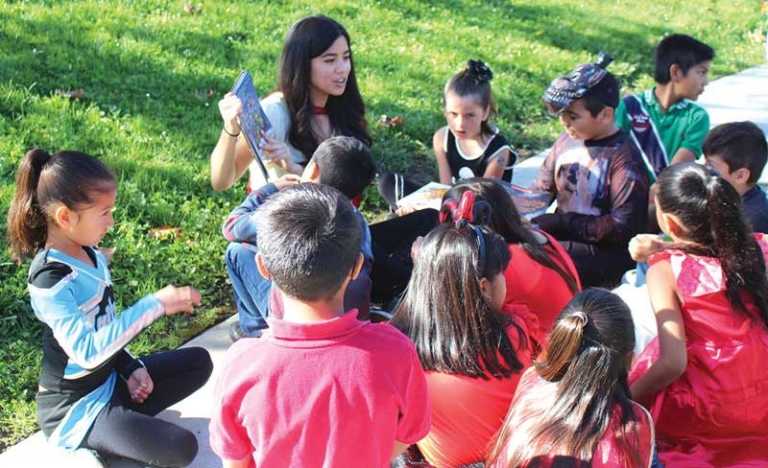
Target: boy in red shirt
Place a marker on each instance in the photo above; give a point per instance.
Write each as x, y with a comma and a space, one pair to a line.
319, 388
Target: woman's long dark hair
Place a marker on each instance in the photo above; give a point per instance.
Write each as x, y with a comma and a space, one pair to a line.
42, 180
307, 39
710, 210
505, 220
584, 369
444, 311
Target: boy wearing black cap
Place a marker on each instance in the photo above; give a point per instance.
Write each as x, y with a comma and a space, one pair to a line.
596, 175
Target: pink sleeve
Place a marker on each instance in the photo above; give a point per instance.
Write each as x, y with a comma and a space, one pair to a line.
416, 411
228, 438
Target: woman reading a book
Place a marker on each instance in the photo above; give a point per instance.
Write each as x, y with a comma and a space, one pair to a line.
318, 97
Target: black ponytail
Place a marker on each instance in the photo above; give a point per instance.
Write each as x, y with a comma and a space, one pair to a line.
711, 212
740, 257
42, 180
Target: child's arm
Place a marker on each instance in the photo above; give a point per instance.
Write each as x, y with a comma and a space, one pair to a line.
497, 164
442, 159
239, 225
683, 155
673, 357
89, 349
244, 463
697, 130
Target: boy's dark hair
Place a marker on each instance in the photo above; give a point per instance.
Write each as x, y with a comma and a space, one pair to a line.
739, 145
309, 236
603, 94
681, 50
346, 164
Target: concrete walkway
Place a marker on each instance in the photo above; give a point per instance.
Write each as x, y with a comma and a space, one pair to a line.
743, 96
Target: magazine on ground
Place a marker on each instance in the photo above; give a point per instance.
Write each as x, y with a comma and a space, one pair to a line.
253, 121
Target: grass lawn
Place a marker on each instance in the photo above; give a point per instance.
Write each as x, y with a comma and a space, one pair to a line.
137, 83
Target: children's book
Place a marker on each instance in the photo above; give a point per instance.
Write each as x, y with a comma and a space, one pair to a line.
428, 196
529, 203
253, 121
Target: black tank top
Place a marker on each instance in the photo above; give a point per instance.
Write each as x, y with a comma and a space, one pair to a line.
464, 166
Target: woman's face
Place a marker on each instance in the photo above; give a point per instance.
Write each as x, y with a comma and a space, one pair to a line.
329, 72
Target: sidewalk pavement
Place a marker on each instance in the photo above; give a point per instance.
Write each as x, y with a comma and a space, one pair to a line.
743, 96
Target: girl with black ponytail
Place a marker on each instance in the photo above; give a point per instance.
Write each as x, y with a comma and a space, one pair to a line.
471, 347
573, 408
704, 378
469, 146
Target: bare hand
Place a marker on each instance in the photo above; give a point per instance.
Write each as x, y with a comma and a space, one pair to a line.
643, 246
176, 300
230, 108
140, 385
276, 151
406, 209
287, 180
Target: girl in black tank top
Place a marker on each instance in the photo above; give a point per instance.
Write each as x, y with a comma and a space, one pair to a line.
468, 146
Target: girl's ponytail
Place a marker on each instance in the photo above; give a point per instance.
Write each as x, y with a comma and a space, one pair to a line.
740, 257
68, 177
26, 221
564, 341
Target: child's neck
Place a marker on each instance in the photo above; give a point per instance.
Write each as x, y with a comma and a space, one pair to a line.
295, 310
665, 94
606, 131
58, 240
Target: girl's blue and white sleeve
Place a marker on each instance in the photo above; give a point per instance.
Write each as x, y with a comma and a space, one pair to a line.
58, 307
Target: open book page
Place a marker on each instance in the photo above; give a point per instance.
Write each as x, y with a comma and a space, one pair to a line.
428, 196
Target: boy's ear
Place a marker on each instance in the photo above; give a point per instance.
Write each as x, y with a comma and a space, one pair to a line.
741, 175
262, 267
311, 172
675, 72
606, 114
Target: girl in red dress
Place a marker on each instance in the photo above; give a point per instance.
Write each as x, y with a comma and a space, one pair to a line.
707, 386
573, 408
540, 274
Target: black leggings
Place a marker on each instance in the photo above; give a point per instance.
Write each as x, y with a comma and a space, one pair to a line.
599, 266
130, 430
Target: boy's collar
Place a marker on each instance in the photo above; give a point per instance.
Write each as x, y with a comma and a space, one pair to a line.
650, 96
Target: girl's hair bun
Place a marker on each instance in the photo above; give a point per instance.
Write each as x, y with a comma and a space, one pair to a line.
478, 70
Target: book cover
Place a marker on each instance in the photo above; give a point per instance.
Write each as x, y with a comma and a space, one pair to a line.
253, 121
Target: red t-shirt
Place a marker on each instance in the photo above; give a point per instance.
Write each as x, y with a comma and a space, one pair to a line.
542, 289
467, 412
334, 393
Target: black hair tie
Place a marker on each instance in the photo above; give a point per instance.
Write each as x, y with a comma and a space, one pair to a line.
479, 71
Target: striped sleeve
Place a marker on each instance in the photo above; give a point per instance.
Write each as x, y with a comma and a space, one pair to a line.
58, 308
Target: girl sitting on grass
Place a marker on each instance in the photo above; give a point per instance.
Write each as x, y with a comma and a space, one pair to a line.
573, 408
93, 395
472, 352
540, 274
468, 146
706, 386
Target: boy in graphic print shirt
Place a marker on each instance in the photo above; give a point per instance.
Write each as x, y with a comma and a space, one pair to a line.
596, 175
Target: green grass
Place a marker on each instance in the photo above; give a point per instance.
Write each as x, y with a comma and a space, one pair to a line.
152, 75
